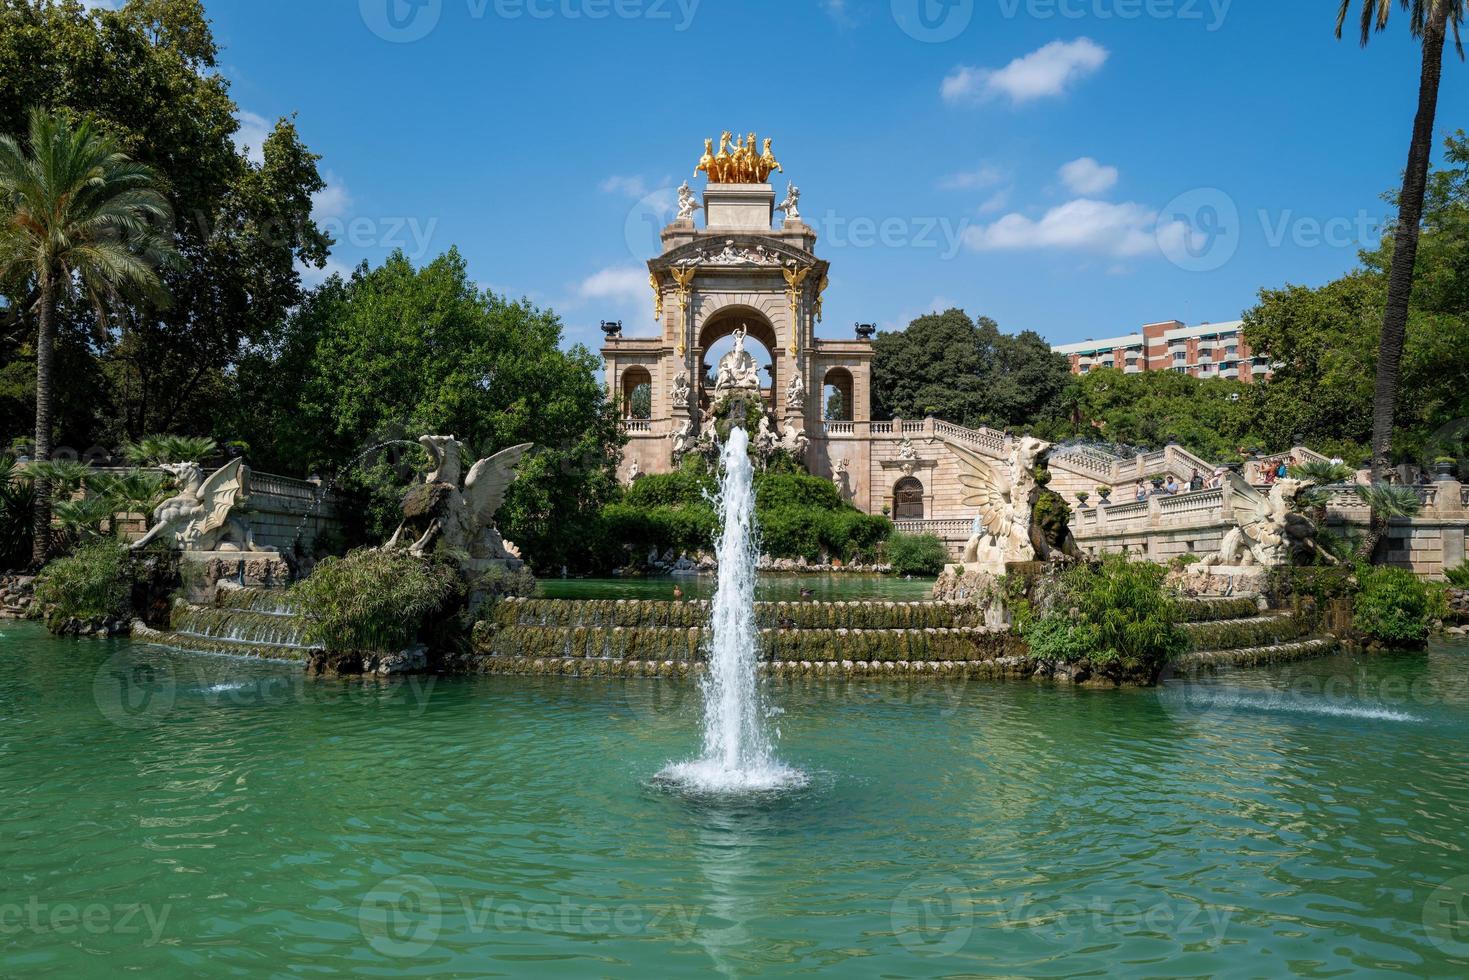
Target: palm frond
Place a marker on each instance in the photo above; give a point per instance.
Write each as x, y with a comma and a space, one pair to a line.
1388, 500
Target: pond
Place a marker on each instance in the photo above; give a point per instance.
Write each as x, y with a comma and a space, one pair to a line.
179, 815
768, 588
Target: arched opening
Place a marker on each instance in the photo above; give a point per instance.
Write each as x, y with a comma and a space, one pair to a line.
716, 341
908, 499
836, 396
637, 393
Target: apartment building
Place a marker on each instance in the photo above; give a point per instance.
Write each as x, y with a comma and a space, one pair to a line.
1209, 350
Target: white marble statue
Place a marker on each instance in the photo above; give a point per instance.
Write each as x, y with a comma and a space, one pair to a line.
737, 370
908, 456
205, 514
681, 390
795, 441
1005, 498
687, 203
683, 440
458, 521
1271, 531
633, 472
792, 203
766, 439
796, 393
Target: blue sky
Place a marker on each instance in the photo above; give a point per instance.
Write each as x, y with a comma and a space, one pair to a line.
1076, 167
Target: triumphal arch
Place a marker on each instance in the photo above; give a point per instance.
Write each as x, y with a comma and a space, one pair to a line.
736, 272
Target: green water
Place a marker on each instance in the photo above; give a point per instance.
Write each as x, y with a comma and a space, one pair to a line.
168, 815
768, 588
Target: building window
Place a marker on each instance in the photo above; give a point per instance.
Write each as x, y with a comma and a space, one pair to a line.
1179, 357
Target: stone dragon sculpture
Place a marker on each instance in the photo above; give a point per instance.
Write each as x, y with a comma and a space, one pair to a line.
441, 516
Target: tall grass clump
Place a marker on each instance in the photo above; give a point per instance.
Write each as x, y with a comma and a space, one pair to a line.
376, 601
1114, 617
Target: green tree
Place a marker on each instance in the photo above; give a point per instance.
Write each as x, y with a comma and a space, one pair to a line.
148, 74
398, 351
1319, 339
75, 209
966, 371
1429, 21
1211, 416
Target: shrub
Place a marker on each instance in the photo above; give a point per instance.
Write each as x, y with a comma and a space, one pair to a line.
17, 506
792, 532
1458, 577
1393, 607
372, 600
1115, 617
94, 582
917, 554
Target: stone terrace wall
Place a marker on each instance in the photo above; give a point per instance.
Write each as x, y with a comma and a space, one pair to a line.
1163, 527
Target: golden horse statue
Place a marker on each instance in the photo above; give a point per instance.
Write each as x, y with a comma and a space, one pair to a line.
738, 161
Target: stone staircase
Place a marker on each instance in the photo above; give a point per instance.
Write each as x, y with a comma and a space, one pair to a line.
641, 638
1238, 632
629, 637
258, 623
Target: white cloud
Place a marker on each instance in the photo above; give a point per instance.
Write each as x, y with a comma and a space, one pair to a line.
1087, 176
333, 200
984, 175
1044, 72
250, 137
996, 201
1122, 230
633, 186
623, 283
838, 12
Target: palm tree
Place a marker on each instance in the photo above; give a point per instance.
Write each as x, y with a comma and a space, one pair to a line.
1430, 21
75, 211
1386, 500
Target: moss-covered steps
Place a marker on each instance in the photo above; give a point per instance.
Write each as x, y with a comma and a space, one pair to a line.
1237, 632
256, 623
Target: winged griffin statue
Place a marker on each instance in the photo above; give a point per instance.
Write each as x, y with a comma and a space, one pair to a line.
1005, 497
202, 515
440, 516
1270, 530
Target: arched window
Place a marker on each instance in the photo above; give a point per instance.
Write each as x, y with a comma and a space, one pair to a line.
908, 499
637, 393
836, 396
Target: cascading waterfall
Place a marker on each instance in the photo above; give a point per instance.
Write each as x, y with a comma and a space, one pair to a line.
737, 749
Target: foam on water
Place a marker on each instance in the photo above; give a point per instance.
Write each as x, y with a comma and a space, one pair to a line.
737, 753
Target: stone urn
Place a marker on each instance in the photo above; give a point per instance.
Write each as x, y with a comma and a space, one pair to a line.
1082, 498
1104, 496
1443, 469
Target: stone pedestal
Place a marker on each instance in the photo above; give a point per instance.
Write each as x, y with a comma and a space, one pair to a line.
202, 571
739, 207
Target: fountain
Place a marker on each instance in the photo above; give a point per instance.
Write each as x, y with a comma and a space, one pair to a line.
737, 749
